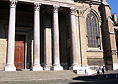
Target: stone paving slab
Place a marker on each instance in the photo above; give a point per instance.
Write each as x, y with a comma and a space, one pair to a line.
37, 75
45, 75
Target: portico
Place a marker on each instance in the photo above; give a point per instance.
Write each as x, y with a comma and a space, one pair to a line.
46, 36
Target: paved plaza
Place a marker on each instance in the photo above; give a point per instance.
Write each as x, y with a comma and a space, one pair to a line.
56, 77
65, 81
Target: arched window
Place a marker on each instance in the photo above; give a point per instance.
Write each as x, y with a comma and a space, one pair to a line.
92, 34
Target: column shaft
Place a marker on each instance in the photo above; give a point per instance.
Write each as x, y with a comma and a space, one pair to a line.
36, 66
74, 65
11, 38
56, 55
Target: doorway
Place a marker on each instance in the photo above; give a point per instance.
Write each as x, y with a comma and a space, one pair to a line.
19, 59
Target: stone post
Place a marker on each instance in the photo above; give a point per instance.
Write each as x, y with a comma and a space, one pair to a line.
75, 65
47, 43
11, 38
82, 39
36, 65
56, 55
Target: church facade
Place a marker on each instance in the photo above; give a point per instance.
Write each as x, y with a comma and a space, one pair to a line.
56, 35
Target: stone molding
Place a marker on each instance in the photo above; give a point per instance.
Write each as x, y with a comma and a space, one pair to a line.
48, 2
89, 2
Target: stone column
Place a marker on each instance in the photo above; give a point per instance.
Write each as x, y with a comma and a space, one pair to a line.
75, 65
56, 55
11, 38
36, 65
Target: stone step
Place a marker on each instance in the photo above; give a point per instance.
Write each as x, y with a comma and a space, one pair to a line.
36, 75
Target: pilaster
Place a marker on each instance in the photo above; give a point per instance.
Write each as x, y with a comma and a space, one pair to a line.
47, 44
75, 65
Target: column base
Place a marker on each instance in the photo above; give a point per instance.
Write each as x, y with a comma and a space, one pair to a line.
57, 67
47, 67
10, 67
75, 67
115, 66
37, 67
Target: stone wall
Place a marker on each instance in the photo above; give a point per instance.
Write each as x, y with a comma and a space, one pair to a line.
3, 39
85, 52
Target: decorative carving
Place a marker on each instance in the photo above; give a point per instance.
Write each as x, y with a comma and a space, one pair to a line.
114, 52
13, 3
55, 10
73, 10
80, 12
37, 6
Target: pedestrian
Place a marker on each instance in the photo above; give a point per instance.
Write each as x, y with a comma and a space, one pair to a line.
103, 70
85, 72
98, 71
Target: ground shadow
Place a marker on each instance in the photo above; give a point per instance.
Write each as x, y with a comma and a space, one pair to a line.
96, 79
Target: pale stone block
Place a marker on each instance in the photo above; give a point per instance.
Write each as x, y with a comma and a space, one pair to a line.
57, 68
75, 67
47, 68
85, 71
37, 67
3, 49
47, 49
115, 66
10, 68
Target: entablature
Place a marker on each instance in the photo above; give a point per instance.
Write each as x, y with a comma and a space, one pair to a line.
51, 2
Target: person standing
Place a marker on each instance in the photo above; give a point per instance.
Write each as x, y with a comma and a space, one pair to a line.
103, 70
98, 71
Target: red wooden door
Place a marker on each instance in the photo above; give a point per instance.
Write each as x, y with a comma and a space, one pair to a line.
19, 55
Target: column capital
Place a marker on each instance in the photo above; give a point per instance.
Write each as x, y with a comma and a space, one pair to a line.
55, 10
80, 12
37, 6
13, 3
73, 10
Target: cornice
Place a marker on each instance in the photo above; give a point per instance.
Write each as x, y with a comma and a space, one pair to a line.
94, 2
49, 2
89, 2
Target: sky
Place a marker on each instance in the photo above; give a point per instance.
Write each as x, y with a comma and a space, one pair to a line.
114, 6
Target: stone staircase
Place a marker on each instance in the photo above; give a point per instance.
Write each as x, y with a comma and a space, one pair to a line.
36, 75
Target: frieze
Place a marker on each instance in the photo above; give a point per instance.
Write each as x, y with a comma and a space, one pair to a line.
50, 2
